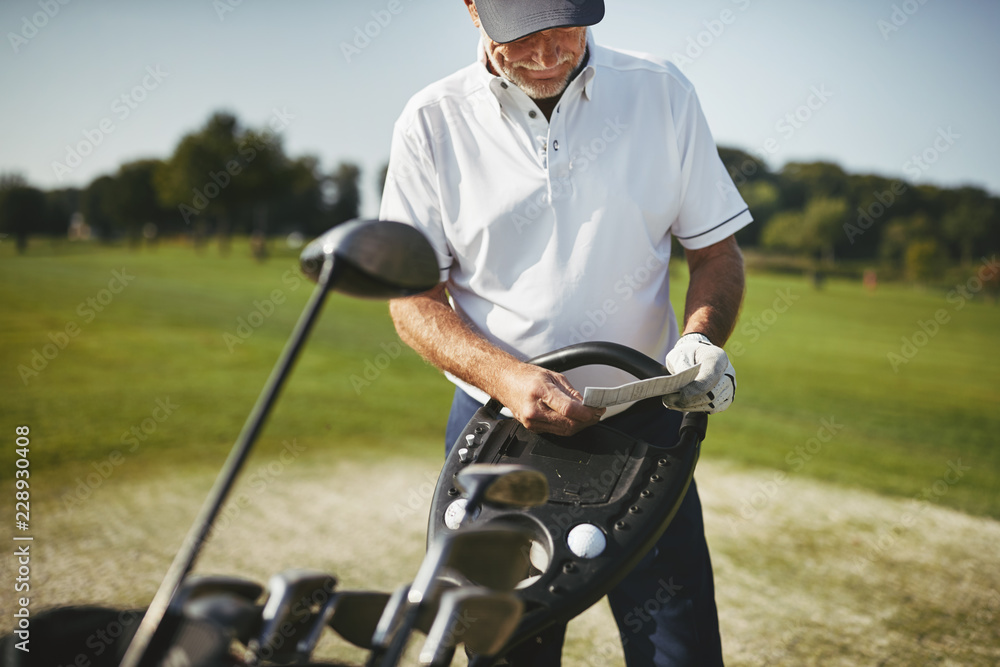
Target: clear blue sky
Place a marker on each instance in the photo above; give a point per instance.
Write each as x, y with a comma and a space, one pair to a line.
932, 66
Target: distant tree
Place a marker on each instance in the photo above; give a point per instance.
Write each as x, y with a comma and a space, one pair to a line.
804, 181
814, 231
924, 260
60, 205
195, 179
763, 198
346, 201
96, 204
132, 198
967, 225
22, 209
742, 166
301, 205
225, 172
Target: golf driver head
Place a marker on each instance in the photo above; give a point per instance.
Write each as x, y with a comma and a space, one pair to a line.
374, 259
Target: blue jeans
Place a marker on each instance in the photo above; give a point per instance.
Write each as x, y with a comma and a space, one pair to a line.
665, 607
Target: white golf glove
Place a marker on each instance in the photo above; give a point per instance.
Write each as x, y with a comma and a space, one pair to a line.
714, 388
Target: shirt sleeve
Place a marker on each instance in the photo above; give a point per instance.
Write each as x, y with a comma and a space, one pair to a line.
712, 208
411, 193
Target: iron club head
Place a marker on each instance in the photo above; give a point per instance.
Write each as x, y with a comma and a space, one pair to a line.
481, 619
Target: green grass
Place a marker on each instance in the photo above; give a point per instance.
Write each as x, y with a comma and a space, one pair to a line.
163, 337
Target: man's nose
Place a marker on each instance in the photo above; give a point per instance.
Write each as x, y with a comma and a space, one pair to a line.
545, 50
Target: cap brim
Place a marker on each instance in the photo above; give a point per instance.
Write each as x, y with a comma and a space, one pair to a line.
509, 20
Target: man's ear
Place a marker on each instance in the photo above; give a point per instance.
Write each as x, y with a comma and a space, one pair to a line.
471, 6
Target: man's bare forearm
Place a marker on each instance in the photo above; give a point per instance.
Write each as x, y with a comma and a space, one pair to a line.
428, 324
716, 290
542, 400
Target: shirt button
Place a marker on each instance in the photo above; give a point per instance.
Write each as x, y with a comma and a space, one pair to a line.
555, 145
503, 84
532, 113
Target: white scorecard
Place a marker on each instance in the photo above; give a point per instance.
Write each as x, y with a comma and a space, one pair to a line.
603, 397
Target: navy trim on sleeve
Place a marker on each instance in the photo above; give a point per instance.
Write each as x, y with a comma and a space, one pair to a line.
685, 238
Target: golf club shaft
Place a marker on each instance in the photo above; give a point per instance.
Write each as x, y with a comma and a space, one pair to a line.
138, 653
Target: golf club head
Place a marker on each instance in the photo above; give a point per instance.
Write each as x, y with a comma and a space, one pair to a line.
237, 617
175, 625
295, 597
374, 259
356, 614
480, 618
506, 485
200, 585
495, 556
390, 623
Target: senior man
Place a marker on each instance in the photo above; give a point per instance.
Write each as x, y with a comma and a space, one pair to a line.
550, 176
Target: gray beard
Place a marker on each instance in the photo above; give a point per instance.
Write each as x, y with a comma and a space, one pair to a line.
534, 89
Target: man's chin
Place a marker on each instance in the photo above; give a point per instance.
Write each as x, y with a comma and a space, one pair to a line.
540, 90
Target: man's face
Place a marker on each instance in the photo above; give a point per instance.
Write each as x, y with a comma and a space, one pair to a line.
539, 64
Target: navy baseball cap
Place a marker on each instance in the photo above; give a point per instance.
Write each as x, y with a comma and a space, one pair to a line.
507, 20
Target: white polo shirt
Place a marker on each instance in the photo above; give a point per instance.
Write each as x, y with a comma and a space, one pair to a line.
555, 232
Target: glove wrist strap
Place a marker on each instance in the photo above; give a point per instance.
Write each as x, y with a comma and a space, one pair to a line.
700, 337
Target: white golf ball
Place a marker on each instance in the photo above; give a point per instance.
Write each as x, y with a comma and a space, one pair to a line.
455, 513
586, 540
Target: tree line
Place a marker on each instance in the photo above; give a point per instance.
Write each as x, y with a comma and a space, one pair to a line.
221, 179
818, 212
225, 178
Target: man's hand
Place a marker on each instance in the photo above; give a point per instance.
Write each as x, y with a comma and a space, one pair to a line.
714, 388
545, 402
